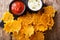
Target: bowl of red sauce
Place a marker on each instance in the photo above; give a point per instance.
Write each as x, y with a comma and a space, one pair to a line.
17, 7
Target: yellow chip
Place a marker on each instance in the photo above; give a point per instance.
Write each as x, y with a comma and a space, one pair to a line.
50, 11
19, 36
44, 19
37, 36
27, 19
12, 26
36, 18
7, 17
41, 28
28, 30
51, 23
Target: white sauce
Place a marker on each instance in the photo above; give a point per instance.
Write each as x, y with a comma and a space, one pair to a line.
35, 5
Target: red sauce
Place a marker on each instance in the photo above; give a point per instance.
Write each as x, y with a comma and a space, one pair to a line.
17, 7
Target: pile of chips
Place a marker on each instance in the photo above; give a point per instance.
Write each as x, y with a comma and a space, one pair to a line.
30, 26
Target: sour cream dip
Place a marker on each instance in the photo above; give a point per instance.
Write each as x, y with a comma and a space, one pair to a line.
35, 5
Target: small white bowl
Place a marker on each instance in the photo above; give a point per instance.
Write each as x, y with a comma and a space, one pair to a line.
35, 5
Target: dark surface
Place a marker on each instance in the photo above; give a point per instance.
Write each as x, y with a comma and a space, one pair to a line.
2, 24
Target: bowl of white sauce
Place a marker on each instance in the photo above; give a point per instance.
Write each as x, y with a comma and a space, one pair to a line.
35, 5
